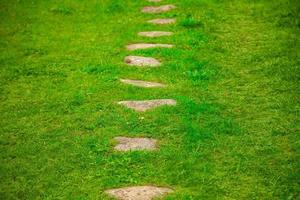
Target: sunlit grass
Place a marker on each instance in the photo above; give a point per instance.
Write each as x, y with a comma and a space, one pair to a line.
234, 72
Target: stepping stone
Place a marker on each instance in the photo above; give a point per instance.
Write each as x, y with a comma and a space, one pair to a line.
142, 106
145, 84
133, 47
155, 33
139, 193
162, 21
154, 0
158, 9
141, 61
135, 144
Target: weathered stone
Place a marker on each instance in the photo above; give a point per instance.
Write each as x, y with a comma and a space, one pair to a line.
133, 47
145, 84
154, 0
141, 61
139, 193
155, 33
158, 9
142, 106
162, 21
135, 144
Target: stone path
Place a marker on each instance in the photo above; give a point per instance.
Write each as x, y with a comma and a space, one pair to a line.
155, 33
162, 21
135, 144
142, 106
125, 144
137, 46
139, 83
141, 61
158, 9
139, 193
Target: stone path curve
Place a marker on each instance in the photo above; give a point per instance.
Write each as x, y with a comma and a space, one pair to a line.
125, 144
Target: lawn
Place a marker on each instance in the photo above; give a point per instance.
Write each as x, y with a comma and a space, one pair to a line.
234, 72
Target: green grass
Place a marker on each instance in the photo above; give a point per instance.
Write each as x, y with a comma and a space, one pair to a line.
234, 72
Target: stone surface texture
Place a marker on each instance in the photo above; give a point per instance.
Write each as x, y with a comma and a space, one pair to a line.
142, 106
135, 144
158, 9
133, 47
141, 61
155, 33
139, 83
162, 21
139, 193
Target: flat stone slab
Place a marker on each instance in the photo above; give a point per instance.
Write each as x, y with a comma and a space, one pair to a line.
141, 61
155, 33
133, 47
139, 83
139, 193
135, 144
142, 106
162, 21
158, 9
154, 0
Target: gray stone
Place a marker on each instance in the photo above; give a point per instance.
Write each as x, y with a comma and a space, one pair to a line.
162, 21
142, 106
133, 47
155, 33
158, 9
139, 193
141, 61
154, 0
135, 144
145, 84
